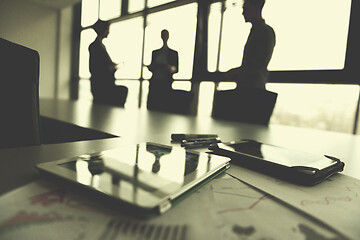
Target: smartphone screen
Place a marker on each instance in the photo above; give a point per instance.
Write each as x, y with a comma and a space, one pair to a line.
280, 155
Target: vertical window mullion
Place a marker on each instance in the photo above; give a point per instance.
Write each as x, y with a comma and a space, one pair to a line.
220, 35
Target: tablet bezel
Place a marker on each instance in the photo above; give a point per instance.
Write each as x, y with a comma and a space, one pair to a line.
162, 203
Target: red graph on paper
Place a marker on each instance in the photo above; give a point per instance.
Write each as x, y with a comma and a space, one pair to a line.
24, 218
251, 206
48, 198
351, 194
326, 201
61, 197
245, 197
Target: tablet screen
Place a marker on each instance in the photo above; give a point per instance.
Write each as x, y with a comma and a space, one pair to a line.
141, 174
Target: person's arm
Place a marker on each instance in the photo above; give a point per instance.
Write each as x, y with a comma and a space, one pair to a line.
173, 67
100, 61
233, 74
176, 66
151, 67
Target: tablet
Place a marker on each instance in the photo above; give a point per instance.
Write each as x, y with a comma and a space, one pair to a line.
288, 164
148, 176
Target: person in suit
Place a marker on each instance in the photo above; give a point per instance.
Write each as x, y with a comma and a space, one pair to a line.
102, 70
258, 49
164, 63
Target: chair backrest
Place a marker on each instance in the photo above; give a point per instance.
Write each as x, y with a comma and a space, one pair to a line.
174, 101
244, 105
19, 95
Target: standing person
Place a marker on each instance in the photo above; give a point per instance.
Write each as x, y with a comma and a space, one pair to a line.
164, 63
102, 70
258, 49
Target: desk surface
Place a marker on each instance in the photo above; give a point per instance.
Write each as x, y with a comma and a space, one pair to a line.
142, 125
134, 125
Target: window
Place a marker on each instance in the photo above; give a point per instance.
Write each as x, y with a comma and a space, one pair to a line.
109, 9
89, 12
214, 36
304, 40
321, 106
86, 38
233, 35
310, 35
136, 5
124, 45
153, 3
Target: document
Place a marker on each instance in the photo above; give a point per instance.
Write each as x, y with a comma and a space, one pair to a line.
245, 213
335, 202
224, 208
44, 210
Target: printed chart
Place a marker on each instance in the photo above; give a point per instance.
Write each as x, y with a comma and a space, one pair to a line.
245, 213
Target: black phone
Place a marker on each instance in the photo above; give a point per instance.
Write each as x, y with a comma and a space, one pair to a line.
288, 164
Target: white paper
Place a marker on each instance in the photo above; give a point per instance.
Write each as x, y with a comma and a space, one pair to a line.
224, 208
335, 201
244, 213
43, 210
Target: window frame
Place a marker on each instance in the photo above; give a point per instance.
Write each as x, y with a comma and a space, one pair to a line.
348, 75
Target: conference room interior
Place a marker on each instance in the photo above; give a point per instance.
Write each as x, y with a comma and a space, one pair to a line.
313, 68
313, 71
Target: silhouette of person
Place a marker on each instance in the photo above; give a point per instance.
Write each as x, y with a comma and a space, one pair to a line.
102, 70
258, 49
164, 63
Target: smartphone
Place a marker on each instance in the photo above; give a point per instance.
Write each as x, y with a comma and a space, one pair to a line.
287, 164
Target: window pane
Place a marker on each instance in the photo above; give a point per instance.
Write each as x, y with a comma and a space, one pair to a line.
315, 42
153, 3
109, 9
85, 89
145, 92
234, 35
226, 86
206, 98
124, 45
310, 34
136, 5
358, 126
182, 85
86, 38
213, 35
181, 24
301, 105
89, 12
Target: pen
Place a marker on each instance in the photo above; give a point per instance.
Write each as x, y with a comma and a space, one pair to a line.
199, 144
200, 140
181, 136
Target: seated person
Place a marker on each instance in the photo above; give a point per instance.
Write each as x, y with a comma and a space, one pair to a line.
102, 70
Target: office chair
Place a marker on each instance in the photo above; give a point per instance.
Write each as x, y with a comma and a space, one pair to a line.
244, 105
175, 101
19, 97
20, 120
